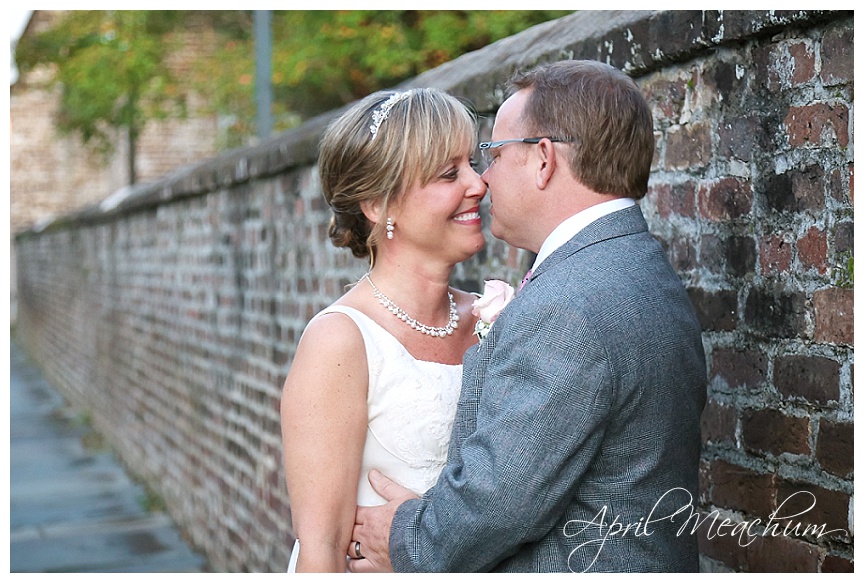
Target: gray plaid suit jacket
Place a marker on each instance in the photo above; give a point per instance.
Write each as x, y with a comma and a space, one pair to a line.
576, 442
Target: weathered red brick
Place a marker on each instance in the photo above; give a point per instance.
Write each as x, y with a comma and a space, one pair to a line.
738, 488
678, 199
835, 447
688, 146
819, 124
771, 431
808, 186
835, 564
778, 192
666, 97
780, 554
717, 310
724, 549
844, 237
738, 137
814, 378
718, 423
682, 254
796, 190
812, 506
775, 312
739, 368
839, 185
728, 198
788, 64
837, 56
803, 62
813, 250
775, 255
712, 253
740, 256
834, 314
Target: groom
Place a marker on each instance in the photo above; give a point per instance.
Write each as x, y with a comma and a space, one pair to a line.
576, 440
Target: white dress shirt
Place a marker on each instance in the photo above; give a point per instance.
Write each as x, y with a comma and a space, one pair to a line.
568, 229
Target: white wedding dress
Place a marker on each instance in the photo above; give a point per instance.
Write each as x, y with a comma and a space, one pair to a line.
411, 403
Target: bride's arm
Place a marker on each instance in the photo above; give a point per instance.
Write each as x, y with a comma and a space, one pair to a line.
324, 418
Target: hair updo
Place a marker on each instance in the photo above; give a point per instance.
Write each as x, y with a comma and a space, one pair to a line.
420, 133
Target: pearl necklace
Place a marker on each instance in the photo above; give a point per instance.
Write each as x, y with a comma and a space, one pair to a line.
422, 328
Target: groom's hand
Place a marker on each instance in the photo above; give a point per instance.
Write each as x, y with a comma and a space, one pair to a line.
372, 527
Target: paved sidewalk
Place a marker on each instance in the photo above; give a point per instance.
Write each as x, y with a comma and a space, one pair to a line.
73, 507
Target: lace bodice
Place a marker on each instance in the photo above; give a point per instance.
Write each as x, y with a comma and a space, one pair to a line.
411, 403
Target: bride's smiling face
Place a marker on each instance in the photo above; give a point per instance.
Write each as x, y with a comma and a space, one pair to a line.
443, 216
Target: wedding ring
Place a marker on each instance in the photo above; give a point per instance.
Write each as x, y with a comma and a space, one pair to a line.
357, 550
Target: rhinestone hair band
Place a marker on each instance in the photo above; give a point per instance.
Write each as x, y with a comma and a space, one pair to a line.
383, 110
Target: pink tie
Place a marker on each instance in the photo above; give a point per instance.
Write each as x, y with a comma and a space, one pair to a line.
525, 280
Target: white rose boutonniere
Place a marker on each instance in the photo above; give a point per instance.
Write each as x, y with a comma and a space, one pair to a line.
496, 295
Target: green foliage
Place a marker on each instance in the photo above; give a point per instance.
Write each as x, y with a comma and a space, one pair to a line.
112, 65
325, 59
111, 68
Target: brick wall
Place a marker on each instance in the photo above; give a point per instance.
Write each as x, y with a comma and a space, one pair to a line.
752, 194
52, 174
172, 315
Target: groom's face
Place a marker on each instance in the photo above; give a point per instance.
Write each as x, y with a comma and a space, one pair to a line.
508, 175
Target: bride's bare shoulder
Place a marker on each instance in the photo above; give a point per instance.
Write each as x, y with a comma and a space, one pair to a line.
332, 332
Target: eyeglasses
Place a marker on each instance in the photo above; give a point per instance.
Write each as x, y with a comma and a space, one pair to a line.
487, 147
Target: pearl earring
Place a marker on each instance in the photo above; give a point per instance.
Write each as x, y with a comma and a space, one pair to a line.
390, 228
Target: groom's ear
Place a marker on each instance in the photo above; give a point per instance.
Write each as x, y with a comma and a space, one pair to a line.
547, 162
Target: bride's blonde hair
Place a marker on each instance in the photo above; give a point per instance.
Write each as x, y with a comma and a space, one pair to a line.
419, 133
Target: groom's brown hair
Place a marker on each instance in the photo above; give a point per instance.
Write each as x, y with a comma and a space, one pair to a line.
605, 115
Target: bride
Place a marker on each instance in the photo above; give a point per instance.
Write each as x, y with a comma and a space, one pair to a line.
377, 375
